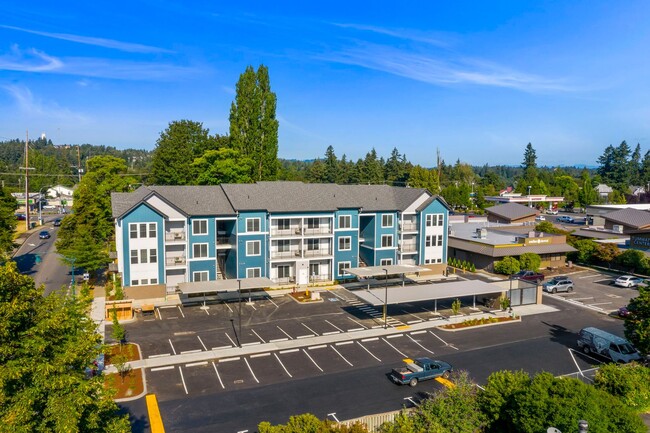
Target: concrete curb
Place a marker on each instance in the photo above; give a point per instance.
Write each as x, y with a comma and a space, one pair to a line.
144, 381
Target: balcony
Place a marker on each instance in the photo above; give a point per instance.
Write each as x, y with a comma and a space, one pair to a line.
317, 231
175, 236
284, 280
175, 261
409, 227
285, 254
408, 247
318, 253
225, 241
285, 232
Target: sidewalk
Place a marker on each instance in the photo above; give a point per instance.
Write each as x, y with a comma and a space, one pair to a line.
250, 349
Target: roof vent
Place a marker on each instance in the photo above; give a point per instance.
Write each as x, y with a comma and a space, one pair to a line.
617, 228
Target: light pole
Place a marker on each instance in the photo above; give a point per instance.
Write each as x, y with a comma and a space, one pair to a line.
530, 204
386, 300
40, 205
239, 290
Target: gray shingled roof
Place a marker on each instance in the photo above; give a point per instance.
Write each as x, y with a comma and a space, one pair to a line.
121, 202
490, 250
512, 211
638, 219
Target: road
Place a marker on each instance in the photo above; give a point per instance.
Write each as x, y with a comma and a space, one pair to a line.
195, 399
38, 259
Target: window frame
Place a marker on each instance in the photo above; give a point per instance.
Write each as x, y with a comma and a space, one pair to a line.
257, 272
153, 230
385, 262
284, 268
259, 248
429, 220
439, 241
143, 231
280, 224
339, 268
311, 243
349, 243
317, 265
133, 231
347, 218
392, 243
392, 220
200, 245
195, 273
144, 256
134, 255
153, 255
428, 241
199, 223
253, 220
313, 223
281, 244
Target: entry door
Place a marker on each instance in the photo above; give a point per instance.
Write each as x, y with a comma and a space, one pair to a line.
303, 276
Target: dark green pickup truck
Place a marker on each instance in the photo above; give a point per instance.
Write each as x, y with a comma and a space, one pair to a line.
420, 369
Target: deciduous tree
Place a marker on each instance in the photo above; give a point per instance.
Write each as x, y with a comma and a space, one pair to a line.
224, 165
8, 222
637, 325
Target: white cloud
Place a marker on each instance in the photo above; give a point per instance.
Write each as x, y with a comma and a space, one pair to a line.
98, 42
34, 107
28, 61
406, 34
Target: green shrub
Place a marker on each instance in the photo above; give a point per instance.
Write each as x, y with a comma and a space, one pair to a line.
507, 266
633, 260
530, 261
455, 306
504, 302
630, 383
472, 268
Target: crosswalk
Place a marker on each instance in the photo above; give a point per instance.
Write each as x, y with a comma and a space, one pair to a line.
372, 312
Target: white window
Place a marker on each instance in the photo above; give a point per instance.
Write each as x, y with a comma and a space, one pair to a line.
429, 220
200, 276
134, 282
141, 230
313, 244
154, 281
439, 240
438, 260
314, 269
284, 271
252, 225
429, 241
253, 272
387, 221
200, 251
144, 281
284, 224
385, 262
253, 248
200, 227
345, 243
134, 257
386, 241
440, 219
153, 256
313, 223
343, 266
284, 246
144, 253
152, 230
345, 221
133, 231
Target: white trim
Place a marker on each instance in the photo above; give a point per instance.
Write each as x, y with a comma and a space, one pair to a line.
207, 273
338, 244
385, 264
392, 220
251, 269
347, 230
345, 216
338, 268
207, 250
207, 230
226, 218
392, 242
259, 222
259, 253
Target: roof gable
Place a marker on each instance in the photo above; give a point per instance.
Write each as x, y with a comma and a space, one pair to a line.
630, 217
512, 211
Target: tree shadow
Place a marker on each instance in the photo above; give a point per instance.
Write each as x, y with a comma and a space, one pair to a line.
136, 411
26, 263
562, 335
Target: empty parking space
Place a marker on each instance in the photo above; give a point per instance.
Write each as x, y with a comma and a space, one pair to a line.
200, 378
215, 339
298, 363
356, 353
269, 368
165, 382
328, 358
235, 373
185, 343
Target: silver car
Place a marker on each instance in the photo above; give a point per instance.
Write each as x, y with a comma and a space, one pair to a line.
558, 284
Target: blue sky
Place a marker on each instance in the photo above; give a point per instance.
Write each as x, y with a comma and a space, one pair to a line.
477, 80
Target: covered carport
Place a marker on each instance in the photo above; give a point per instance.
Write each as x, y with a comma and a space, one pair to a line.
376, 271
427, 292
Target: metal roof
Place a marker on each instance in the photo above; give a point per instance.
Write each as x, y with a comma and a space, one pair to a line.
507, 250
373, 271
427, 292
512, 211
635, 218
198, 287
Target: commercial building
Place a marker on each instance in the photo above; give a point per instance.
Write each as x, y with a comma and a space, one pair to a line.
289, 232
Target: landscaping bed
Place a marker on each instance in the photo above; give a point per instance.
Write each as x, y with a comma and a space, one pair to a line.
485, 321
304, 297
128, 383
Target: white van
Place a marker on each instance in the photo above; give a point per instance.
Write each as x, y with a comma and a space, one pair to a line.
608, 345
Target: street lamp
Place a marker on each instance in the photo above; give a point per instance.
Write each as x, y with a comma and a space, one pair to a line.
40, 205
530, 204
239, 290
386, 300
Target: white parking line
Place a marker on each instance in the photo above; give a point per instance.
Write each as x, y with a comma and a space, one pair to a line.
154, 314
218, 376
418, 332
310, 330
304, 336
251, 370
312, 360
369, 352
343, 343
206, 310
260, 355
258, 335
410, 322
285, 368
582, 299
395, 336
222, 347
342, 357
601, 303
443, 341
590, 276
234, 358
158, 356
289, 350
181, 310
201, 341
411, 314
370, 339
169, 367
331, 332
250, 304
416, 342
171, 318
271, 301
229, 307
320, 346
340, 330
254, 343
283, 331
396, 349
194, 364
180, 369
360, 324
170, 343
190, 351
275, 340
231, 340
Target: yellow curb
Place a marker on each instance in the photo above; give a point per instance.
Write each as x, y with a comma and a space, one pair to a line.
155, 420
403, 327
408, 360
445, 382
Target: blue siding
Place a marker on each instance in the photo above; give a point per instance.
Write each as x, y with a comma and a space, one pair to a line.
209, 238
346, 256
203, 265
243, 260
143, 214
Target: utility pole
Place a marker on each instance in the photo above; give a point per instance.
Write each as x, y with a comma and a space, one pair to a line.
27, 168
79, 161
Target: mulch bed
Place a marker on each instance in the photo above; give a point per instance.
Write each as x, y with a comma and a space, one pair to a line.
130, 383
477, 322
302, 297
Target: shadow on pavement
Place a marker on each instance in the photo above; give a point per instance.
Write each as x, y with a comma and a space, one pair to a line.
137, 412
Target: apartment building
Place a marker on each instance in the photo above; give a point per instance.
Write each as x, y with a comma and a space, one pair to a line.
290, 232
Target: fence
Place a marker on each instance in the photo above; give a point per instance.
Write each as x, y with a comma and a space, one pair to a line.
373, 422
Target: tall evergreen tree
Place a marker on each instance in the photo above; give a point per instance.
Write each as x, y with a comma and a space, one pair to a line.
635, 166
8, 206
176, 149
253, 125
529, 176
372, 170
332, 168
645, 170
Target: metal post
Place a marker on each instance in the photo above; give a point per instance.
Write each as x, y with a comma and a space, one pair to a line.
239, 338
72, 282
386, 301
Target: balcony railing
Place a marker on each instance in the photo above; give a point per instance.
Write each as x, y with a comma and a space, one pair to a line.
225, 240
318, 253
285, 254
409, 227
317, 231
285, 280
175, 236
284, 232
323, 277
175, 261
408, 248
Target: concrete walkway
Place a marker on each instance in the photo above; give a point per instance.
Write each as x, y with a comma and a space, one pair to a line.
250, 349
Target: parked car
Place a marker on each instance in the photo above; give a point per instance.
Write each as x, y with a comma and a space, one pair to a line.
627, 281
565, 219
528, 276
558, 284
618, 349
540, 218
624, 312
57, 222
551, 211
44, 235
21, 216
418, 370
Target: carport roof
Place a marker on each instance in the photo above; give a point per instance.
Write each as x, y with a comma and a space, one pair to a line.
225, 285
373, 271
427, 292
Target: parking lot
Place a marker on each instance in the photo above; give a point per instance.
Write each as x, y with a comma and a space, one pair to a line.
596, 290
